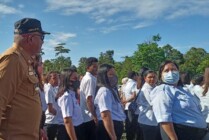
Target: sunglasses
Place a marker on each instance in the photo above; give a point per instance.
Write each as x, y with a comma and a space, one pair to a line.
41, 36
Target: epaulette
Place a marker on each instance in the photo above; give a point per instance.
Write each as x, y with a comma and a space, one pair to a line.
17, 52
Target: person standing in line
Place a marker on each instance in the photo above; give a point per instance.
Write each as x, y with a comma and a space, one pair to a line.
177, 111
146, 119
20, 106
53, 114
130, 94
87, 95
140, 83
69, 106
202, 92
109, 109
121, 89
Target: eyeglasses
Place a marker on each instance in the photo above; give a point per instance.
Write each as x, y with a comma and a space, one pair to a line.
41, 36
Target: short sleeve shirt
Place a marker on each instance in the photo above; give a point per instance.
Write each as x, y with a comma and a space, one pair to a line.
129, 89
104, 101
50, 94
87, 88
174, 104
70, 107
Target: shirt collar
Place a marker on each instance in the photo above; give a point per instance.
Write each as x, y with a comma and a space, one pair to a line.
131, 80
148, 85
88, 73
25, 55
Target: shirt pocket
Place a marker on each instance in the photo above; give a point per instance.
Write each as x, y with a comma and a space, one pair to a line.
32, 85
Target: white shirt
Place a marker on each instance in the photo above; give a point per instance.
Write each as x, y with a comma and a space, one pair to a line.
174, 104
87, 88
146, 115
204, 101
70, 108
129, 90
50, 94
105, 100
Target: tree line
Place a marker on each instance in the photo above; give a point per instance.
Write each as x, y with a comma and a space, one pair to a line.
148, 54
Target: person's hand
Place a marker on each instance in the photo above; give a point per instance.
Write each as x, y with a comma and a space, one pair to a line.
95, 120
113, 137
43, 135
123, 102
54, 111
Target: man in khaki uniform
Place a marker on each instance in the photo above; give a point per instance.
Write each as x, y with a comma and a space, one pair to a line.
20, 107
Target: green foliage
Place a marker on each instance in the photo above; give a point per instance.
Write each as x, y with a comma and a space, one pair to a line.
106, 57
118, 68
48, 66
82, 66
204, 64
57, 64
60, 49
122, 68
193, 58
173, 54
148, 55
156, 38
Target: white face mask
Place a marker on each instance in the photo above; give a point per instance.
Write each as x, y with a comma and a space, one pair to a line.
171, 77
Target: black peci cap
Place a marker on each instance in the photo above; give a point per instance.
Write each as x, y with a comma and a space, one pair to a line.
28, 25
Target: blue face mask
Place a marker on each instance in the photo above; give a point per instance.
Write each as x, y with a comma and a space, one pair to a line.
171, 77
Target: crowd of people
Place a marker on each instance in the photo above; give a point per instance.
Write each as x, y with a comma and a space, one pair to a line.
67, 106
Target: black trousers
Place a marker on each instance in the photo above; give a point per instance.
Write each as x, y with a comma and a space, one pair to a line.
89, 130
56, 131
150, 132
79, 132
184, 132
131, 126
102, 133
60, 132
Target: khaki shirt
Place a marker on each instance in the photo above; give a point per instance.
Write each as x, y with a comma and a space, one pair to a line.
20, 107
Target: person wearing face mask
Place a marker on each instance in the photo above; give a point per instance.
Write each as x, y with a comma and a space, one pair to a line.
109, 109
177, 111
70, 109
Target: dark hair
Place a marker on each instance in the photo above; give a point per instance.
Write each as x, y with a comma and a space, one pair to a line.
102, 79
90, 61
49, 75
71, 68
206, 81
142, 70
148, 72
198, 79
141, 74
131, 74
185, 78
162, 66
65, 82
